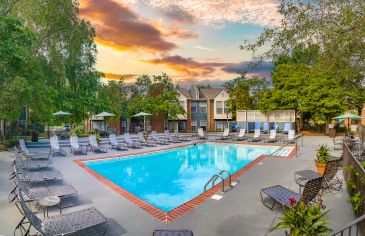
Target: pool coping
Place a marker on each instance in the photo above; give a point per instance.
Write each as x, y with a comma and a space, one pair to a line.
173, 214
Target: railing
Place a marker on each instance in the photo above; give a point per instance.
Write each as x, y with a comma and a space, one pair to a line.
354, 175
219, 176
353, 228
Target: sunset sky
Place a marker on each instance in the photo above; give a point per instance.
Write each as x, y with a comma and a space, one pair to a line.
193, 41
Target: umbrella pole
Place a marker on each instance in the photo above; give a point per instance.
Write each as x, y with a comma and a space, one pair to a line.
144, 123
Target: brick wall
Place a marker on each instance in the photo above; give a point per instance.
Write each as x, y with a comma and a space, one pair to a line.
115, 123
188, 115
211, 114
157, 123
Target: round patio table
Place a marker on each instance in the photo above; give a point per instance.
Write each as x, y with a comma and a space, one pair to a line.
49, 201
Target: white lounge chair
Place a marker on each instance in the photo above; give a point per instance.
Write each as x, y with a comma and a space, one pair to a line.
256, 136
143, 141
241, 135
131, 143
157, 139
225, 134
94, 146
180, 138
272, 137
201, 134
169, 138
55, 146
32, 155
75, 146
291, 136
115, 144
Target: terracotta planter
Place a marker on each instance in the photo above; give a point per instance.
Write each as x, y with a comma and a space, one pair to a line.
320, 168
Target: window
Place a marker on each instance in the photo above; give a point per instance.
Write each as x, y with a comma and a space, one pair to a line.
219, 107
219, 125
182, 104
203, 107
203, 123
194, 107
194, 125
225, 108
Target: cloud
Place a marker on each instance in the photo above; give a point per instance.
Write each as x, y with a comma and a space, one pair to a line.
204, 48
118, 27
263, 69
219, 12
177, 14
187, 66
113, 76
174, 31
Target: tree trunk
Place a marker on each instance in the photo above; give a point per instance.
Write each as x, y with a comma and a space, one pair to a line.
2, 129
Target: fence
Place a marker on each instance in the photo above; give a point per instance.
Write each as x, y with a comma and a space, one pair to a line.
354, 174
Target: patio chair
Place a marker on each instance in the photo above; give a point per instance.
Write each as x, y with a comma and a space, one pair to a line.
131, 143
330, 181
256, 136
272, 137
87, 221
281, 195
115, 144
291, 137
30, 164
225, 134
146, 142
75, 146
32, 155
55, 146
169, 138
287, 128
36, 176
179, 137
95, 147
241, 135
169, 232
157, 139
201, 134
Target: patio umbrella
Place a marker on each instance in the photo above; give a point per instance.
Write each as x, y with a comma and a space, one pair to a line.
349, 117
61, 113
144, 114
105, 114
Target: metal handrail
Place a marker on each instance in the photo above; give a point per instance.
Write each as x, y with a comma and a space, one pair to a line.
349, 226
229, 176
216, 176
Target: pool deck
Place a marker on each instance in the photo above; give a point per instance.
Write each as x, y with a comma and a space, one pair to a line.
239, 212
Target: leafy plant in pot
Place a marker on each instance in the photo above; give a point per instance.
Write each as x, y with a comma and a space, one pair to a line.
303, 220
322, 158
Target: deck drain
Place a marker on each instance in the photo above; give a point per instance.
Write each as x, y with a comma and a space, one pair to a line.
216, 197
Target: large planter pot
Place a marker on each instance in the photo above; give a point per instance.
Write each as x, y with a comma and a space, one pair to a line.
320, 168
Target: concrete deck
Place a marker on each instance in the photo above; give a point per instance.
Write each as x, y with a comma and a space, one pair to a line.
239, 212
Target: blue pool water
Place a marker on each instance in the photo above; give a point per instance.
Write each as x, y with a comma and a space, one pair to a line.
170, 178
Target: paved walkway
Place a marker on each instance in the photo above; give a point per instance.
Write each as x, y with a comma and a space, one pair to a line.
240, 212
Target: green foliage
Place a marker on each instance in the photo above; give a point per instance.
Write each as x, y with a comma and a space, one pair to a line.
357, 201
322, 155
318, 52
156, 95
245, 93
304, 220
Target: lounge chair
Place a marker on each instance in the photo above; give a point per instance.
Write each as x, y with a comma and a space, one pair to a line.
55, 146
287, 128
131, 143
201, 134
169, 138
281, 195
115, 144
225, 134
291, 137
329, 180
30, 164
180, 138
157, 139
75, 146
36, 176
256, 136
241, 135
148, 142
169, 232
32, 155
87, 221
95, 147
272, 137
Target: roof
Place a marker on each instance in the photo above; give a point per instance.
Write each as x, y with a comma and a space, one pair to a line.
185, 92
210, 93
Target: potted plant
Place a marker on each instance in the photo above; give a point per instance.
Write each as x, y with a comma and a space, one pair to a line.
322, 158
304, 220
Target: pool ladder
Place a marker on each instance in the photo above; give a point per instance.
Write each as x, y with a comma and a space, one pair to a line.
219, 176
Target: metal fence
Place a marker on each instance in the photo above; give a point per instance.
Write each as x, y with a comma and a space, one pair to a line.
354, 174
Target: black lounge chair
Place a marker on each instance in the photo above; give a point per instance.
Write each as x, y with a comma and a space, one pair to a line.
30, 164
167, 232
88, 221
329, 180
32, 155
36, 176
281, 195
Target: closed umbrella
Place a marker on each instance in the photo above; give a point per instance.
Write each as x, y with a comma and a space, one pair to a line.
144, 114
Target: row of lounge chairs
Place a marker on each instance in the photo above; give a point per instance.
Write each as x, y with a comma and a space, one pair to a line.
35, 179
242, 135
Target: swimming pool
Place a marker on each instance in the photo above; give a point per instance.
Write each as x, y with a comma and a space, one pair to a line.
167, 179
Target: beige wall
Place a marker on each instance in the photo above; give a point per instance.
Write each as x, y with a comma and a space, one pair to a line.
182, 98
221, 97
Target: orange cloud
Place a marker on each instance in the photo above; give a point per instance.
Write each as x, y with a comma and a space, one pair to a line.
176, 32
188, 66
113, 76
117, 26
